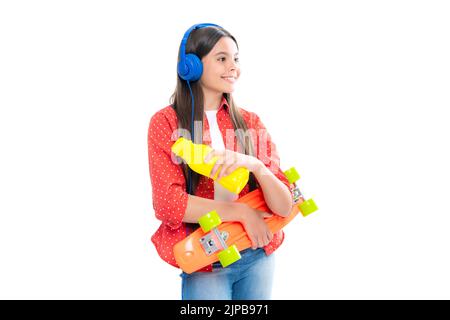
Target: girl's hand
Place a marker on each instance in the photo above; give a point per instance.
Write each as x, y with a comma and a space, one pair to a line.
229, 161
257, 230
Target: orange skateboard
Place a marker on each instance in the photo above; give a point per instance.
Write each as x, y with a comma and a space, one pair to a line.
217, 241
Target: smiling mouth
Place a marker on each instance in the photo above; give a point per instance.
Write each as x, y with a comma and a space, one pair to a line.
229, 79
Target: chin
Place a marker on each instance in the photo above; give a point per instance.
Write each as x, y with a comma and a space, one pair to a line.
228, 89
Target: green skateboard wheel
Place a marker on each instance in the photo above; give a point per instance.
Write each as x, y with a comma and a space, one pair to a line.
209, 221
229, 256
307, 207
292, 175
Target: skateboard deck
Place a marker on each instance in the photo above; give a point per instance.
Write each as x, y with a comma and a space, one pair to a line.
200, 248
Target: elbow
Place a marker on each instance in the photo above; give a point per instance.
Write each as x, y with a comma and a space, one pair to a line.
170, 216
285, 212
285, 209
170, 208
282, 206
170, 221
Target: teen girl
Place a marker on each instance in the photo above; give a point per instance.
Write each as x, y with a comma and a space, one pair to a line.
239, 139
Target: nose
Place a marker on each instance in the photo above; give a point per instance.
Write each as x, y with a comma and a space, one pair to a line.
233, 65
232, 70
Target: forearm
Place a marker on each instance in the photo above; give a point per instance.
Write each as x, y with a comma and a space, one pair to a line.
277, 195
198, 206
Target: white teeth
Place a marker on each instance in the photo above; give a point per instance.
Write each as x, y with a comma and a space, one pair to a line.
229, 79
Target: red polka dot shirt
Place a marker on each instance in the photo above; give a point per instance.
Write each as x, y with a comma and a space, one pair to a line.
169, 193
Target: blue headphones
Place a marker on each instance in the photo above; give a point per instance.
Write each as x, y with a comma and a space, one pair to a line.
190, 68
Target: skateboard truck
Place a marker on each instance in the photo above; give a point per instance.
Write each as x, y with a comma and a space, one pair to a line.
211, 240
307, 206
214, 240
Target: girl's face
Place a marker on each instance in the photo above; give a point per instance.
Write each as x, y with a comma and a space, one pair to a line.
221, 67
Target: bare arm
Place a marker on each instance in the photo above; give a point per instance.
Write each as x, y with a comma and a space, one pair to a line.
277, 195
198, 206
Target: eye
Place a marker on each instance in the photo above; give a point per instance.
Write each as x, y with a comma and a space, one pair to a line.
236, 59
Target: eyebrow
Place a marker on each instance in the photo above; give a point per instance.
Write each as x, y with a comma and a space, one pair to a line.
222, 52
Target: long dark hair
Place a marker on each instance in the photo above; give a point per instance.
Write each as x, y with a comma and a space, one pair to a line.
201, 41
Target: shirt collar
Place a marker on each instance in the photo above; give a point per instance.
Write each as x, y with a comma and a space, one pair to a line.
224, 104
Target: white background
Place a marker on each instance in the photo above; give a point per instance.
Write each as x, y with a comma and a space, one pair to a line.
354, 93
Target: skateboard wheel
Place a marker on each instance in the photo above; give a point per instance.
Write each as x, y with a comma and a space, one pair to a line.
292, 175
209, 221
307, 207
229, 256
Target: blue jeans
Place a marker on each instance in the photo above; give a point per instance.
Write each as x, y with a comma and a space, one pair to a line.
249, 278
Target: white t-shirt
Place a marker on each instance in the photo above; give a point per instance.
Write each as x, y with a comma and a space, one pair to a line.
220, 193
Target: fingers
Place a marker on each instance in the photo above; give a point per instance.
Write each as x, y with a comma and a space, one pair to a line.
217, 166
259, 241
254, 242
209, 156
262, 240
227, 169
257, 229
226, 163
214, 153
269, 236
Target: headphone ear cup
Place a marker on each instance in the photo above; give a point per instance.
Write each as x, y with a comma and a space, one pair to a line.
194, 67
